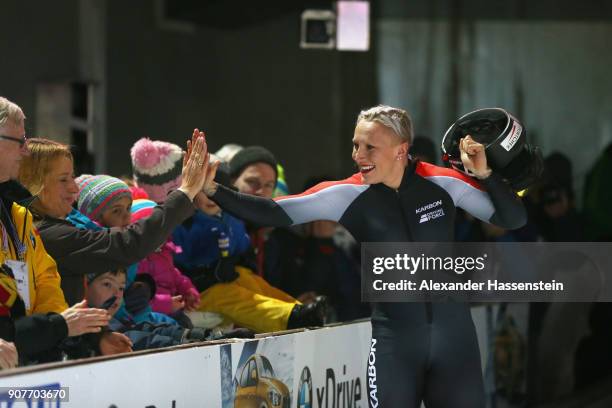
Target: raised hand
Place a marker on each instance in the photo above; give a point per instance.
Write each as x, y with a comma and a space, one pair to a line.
195, 165
210, 186
473, 157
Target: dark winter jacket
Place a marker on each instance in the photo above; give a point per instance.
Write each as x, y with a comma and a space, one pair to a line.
82, 251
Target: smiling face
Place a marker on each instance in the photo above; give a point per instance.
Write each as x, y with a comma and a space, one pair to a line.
379, 153
104, 287
59, 190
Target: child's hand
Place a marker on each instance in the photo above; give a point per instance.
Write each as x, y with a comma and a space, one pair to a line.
114, 343
192, 302
177, 303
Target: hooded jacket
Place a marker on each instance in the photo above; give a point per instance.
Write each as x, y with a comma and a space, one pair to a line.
169, 280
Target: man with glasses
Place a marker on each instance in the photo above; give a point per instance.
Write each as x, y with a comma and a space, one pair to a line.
12, 135
12, 139
34, 316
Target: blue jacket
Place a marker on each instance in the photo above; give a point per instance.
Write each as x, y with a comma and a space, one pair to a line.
80, 220
199, 236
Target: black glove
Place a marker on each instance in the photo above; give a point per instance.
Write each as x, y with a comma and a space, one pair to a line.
196, 334
240, 333
225, 270
200, 334
136, 297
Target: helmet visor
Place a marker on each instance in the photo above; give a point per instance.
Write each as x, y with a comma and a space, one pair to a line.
484, 125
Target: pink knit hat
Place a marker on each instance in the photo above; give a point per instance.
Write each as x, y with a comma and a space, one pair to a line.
157, 167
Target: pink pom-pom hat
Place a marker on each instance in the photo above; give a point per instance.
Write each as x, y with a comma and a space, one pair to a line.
157, 167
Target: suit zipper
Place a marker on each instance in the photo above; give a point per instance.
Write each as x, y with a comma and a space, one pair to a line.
428, 305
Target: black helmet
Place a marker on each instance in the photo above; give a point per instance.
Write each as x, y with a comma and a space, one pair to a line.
504, 138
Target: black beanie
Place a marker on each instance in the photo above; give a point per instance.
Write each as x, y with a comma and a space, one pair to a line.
251, 155
223, 175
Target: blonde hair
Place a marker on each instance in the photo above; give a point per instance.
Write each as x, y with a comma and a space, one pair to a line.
35, 166
395, 119
10, 112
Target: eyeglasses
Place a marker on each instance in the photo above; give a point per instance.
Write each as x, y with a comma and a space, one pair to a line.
21, 141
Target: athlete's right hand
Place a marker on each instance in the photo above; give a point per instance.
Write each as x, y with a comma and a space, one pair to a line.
210, 186
474, 158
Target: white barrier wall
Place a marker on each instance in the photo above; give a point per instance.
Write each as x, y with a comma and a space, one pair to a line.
318, 368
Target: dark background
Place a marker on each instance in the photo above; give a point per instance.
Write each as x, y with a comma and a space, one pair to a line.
235, 69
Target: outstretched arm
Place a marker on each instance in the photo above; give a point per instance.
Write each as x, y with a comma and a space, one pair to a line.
282, 212
256, 210
325, 201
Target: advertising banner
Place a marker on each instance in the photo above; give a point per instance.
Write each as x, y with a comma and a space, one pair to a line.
330, 368
258, 373
316, 368
322, 368
179, 378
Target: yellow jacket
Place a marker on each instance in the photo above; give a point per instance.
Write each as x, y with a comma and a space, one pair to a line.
44, 280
